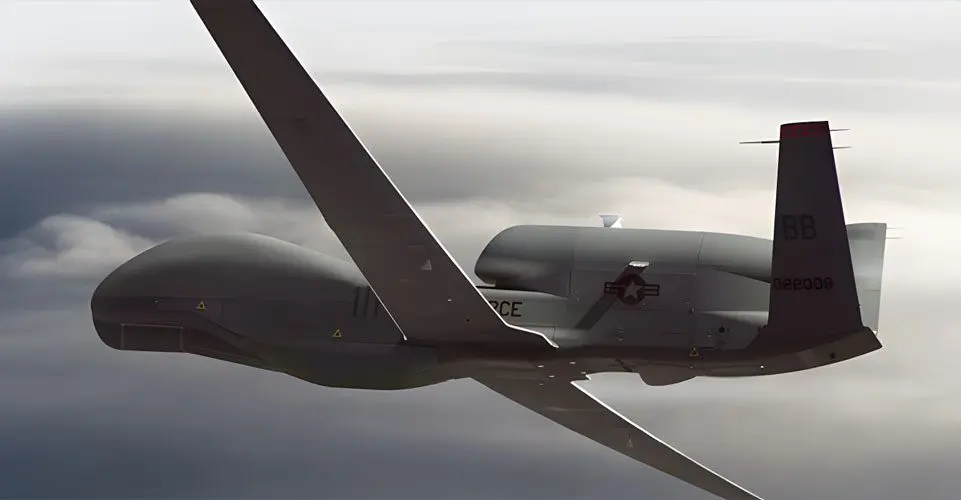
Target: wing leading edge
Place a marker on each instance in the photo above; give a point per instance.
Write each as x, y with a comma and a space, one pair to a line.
421, 286
568, 404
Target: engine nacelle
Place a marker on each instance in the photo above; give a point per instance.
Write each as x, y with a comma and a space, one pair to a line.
545, 258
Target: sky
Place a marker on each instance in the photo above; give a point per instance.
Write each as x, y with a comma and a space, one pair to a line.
122, 127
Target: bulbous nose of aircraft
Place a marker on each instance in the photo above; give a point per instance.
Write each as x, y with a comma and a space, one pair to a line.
126, 296
103, 305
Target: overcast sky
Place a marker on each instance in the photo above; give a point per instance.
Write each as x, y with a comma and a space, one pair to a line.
121, 126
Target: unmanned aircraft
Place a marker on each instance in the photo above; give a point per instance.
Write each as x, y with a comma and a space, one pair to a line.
560, 303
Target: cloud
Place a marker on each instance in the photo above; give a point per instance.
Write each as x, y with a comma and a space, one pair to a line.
774, 73
62, 246
700, 86
522, 150
774, 58
632, 103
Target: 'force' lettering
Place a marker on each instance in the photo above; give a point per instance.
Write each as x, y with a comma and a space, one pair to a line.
807, 283
507, 308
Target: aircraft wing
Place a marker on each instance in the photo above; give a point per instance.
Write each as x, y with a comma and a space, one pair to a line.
563, 401
424, 290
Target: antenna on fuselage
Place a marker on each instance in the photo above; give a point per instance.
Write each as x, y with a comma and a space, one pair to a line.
611, 220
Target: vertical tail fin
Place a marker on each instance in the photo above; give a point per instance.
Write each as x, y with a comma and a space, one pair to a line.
814, 296
867, 242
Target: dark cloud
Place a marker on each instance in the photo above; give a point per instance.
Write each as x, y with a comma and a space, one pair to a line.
74, 159
64, 160
102, 155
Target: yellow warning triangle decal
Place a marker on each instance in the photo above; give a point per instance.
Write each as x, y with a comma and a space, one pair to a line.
337, 334
694, 352
201, 306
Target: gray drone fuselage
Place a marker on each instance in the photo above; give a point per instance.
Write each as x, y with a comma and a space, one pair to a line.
696, 310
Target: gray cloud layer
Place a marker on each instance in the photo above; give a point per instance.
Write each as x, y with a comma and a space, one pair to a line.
789, 76
750, 72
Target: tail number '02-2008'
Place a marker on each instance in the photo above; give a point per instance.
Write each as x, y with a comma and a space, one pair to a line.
809, 283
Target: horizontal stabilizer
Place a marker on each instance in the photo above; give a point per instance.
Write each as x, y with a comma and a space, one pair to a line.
867, 240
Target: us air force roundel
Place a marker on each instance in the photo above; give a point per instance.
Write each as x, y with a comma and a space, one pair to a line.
631, 289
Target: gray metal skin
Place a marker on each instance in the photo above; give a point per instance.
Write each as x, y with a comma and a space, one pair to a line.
278, 306
403, 313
